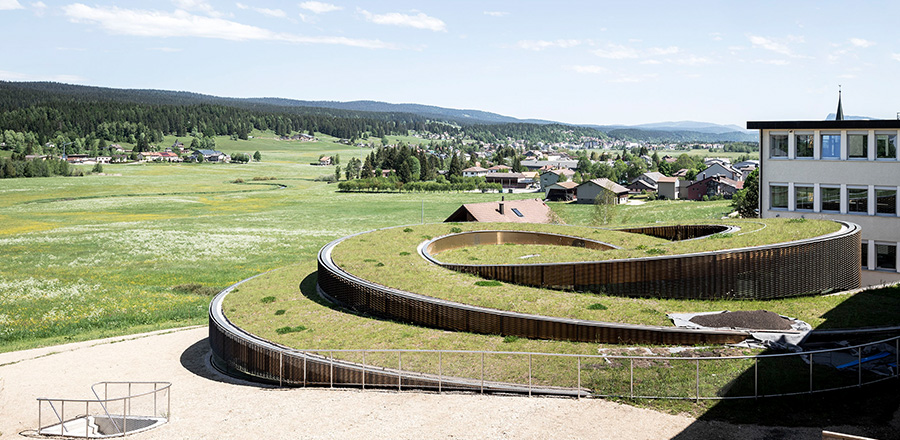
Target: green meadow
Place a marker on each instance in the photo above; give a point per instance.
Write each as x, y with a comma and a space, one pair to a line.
143, 246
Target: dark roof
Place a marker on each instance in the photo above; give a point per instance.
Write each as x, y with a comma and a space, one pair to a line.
532, 210
851, 124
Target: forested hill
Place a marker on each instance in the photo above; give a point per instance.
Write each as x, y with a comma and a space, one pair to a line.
665, 136
430, 111
60, 113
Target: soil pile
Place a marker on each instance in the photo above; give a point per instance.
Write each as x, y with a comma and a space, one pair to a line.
756, 320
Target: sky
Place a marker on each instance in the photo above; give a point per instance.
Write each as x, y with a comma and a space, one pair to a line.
579, 62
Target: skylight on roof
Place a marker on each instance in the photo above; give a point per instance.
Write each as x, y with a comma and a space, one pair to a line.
516, 211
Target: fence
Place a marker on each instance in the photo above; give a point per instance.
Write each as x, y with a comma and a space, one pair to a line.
659, 377
826, 263
353, 292
133, 407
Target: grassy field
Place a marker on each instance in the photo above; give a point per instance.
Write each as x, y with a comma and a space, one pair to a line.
368, 257
144, 245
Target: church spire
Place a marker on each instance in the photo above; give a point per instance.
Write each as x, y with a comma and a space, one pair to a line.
839, 116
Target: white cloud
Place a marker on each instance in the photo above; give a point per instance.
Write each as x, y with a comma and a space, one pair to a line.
588, 69
895, 56
166, 49
8, 5
616, 52
859, 42
496, 13
545, 44
693, 60
17, 76
651, 62
671, 50
775, 45
264, 11
847, 76
320, 7
197, 5
144, 23
633, 78
772, 62
716, 36
418, 21
39, 8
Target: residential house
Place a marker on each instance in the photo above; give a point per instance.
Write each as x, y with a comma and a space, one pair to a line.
550, 177
500, 169
538, 164
514, 211
211, 156
712, 186
645, 182
475, 172
718, 169
602, 188
507, 180
669, 188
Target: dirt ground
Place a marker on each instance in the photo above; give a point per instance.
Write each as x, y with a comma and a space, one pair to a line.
208, 405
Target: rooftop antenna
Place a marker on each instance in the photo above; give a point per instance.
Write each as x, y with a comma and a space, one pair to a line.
840, 110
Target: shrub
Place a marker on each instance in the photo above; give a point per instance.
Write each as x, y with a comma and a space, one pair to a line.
288, 329
597, 306
404, 253
655, 251
488, 283
280, 312
238, 180
455, 230
197, 289
510, 338
267, 299
407, 229
326, 178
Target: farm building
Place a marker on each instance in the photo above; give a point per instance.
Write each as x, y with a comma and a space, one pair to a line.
589, 191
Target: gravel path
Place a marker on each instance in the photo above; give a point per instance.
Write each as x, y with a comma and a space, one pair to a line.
208, 405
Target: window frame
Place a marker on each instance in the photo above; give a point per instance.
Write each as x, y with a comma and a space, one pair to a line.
851, 199
772, 143
865, 254
822, 189
822, 137
888, 246
811, 144
865, 145
889, 135
878, 205
787, 199
812, 197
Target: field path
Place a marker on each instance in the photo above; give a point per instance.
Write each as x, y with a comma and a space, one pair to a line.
208, 405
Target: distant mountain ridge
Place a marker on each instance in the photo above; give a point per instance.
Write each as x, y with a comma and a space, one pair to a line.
680, 131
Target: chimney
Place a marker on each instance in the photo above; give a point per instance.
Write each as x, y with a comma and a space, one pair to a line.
502, 211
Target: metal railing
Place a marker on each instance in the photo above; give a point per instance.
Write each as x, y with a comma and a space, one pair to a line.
142, 404
696, 377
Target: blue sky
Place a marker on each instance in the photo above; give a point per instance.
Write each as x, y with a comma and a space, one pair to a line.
578, 62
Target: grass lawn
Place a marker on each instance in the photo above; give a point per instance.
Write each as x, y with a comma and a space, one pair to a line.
100, 255
368, 257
